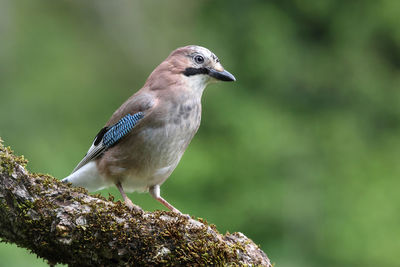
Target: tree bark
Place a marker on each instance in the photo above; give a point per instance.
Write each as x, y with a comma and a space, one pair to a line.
63, 224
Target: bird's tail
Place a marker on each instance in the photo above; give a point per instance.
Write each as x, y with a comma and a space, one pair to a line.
88, 177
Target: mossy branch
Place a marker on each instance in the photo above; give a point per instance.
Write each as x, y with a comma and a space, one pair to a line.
67, 225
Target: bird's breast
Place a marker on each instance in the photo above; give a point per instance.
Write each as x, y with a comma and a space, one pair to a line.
169, 140
150, 156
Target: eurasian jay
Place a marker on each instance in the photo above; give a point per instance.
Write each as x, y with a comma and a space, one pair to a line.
145, 138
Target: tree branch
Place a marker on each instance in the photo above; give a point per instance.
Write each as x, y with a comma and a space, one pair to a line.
66, 225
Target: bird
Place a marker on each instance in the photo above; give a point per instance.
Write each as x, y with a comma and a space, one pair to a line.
145, 138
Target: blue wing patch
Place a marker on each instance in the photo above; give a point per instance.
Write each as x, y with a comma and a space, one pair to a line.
121, 128
109, 136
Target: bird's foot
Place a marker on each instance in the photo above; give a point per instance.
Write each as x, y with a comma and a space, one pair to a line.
175, 210
186, 216
133, 207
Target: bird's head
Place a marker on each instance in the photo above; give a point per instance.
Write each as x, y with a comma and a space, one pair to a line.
196, 60
195, 65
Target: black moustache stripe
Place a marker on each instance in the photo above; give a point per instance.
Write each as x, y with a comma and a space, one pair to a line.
194, 71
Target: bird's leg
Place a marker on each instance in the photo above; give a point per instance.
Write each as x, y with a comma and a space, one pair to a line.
127, 201
155, 193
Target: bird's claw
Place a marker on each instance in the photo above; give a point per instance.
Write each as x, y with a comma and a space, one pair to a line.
133, 207
187, 216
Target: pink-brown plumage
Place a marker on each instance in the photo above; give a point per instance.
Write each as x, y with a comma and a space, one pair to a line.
171, 103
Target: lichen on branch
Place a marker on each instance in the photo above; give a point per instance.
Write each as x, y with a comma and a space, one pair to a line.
63, 224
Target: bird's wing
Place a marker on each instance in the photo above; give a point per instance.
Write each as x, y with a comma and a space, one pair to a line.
109, 136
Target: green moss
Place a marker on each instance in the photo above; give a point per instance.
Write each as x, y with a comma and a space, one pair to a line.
8, 160
35, 217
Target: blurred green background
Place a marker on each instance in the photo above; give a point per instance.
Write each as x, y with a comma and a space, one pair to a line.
301, 154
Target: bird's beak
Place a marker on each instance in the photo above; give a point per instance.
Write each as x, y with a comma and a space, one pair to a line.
222, 75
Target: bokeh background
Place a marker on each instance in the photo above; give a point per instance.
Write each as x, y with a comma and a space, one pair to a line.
301, 154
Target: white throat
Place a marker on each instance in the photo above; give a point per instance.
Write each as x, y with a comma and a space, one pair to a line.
197, 83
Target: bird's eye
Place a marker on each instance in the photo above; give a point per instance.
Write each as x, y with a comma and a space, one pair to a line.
199, 59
